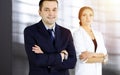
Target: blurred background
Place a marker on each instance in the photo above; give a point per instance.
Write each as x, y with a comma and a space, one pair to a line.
107, 21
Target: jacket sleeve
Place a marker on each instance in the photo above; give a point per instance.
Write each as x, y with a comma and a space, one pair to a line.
71, 61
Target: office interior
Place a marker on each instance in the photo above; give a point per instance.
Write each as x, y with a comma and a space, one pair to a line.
107, 21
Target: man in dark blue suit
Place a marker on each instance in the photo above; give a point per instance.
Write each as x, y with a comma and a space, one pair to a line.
49, 52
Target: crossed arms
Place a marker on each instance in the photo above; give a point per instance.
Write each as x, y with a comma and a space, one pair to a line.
36, 49
90, 57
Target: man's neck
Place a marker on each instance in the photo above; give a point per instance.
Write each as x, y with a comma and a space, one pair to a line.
49, 26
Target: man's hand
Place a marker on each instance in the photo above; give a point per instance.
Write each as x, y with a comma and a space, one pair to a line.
64, 55
37, 49
65, 52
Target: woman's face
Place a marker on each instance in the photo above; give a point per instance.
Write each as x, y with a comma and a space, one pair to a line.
87, 17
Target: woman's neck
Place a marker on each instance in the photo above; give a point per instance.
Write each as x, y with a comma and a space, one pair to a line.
89, 31
87, 27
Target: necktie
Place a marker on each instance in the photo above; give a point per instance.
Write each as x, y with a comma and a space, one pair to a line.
50, 31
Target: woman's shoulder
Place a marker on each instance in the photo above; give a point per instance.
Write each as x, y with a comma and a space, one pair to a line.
97, 33
78, 32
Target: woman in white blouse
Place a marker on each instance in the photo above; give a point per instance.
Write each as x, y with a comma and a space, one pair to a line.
89, 45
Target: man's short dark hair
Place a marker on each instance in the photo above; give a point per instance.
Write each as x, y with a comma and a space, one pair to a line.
41, 3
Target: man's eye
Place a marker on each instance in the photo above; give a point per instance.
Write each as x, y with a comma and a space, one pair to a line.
46, 10
54, 9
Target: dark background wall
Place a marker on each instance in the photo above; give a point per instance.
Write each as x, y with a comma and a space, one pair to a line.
5, 37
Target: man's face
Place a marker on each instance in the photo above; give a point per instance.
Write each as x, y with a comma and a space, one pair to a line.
48, 12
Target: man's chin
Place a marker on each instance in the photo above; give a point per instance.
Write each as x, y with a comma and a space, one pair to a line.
51, 22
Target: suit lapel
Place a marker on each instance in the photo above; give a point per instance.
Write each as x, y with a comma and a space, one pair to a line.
58, 37
88, 40
42, 31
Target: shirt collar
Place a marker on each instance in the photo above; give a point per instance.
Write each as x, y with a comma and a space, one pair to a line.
51, 28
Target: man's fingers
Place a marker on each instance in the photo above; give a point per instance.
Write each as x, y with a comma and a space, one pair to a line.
37, 49
36, 45
65, 52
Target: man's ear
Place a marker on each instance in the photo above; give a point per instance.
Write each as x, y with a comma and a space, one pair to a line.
39, 12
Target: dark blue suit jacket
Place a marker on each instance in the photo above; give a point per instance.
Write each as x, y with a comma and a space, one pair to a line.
49, 63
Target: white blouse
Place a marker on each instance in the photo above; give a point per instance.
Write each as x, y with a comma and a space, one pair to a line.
83, 42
